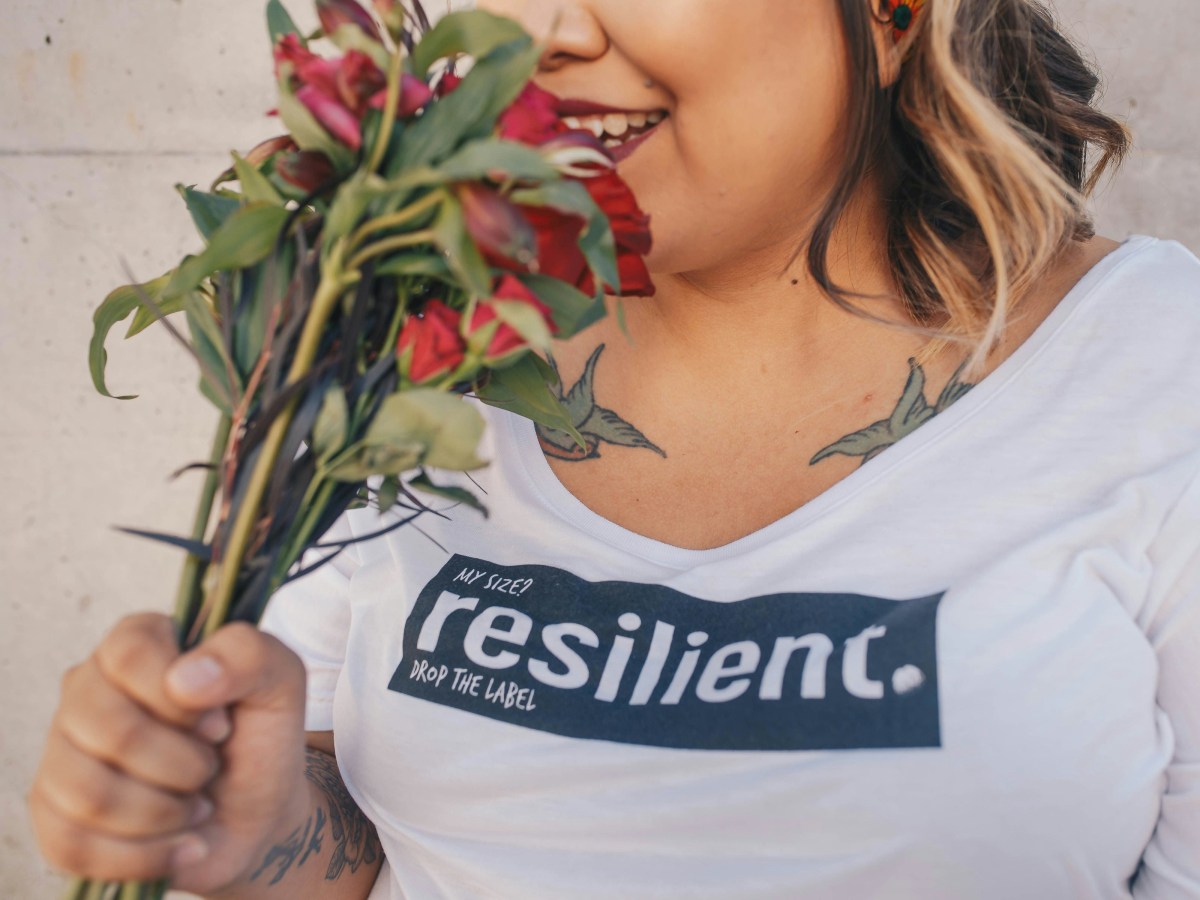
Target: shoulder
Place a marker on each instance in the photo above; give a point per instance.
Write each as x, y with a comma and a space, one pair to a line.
1162, 275
1139, 306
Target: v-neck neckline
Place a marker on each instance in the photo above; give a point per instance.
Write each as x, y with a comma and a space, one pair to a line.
535, 468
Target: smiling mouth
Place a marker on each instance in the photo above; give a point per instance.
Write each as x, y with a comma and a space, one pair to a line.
616, 129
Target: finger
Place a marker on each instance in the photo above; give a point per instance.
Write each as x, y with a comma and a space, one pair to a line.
93, 794
104, 723
135, 655
81, 851
238, 664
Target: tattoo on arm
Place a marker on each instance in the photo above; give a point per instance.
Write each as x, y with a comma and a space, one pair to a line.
911, 412
594, 423
353, 838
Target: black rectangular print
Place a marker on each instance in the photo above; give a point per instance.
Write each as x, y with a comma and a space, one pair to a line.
644, 664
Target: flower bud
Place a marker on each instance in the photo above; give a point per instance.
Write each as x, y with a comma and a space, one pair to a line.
495, 340
336, 13
336, 118
304, 169
268, 148
429, 345
392, 14
495, 223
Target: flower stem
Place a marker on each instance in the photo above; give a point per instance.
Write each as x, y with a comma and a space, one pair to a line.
395, 72
316, 509
188, 596
387, 245
328, 291
393, 220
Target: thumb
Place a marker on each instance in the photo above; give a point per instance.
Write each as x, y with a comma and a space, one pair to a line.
238, 665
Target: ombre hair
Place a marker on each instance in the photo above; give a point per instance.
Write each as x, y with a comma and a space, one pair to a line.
981, 145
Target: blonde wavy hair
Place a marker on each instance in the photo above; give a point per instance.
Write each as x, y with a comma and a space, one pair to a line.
982, 145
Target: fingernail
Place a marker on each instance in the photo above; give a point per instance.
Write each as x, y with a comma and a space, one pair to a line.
190, 851
202, 810
194, 673
214, 725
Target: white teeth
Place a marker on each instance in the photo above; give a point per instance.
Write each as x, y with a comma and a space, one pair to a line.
613, 128
616, 124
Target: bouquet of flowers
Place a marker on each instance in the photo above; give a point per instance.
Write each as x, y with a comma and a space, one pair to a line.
417, 236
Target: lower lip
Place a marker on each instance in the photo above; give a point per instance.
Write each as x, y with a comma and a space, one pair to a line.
623, 151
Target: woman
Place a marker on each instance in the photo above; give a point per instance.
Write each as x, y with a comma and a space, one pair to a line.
825, 608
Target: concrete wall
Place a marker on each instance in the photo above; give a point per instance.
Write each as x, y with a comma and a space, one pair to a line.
105, 106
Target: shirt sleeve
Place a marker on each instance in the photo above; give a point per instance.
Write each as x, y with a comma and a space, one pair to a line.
311, 615
1170, 868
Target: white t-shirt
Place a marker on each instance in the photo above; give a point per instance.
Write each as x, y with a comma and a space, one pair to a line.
971, 669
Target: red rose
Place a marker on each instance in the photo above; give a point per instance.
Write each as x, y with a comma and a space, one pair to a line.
429, 344
506, 340
631, 232
533, 119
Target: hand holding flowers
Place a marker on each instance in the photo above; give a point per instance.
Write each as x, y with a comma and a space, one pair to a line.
416, 236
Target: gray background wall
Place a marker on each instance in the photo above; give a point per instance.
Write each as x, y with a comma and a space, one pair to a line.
105, 105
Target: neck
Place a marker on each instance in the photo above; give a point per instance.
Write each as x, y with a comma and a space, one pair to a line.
759, 308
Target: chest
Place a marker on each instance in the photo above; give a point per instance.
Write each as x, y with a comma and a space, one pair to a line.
1045, 749
714, 483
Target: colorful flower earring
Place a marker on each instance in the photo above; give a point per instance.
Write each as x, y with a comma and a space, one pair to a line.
904, 13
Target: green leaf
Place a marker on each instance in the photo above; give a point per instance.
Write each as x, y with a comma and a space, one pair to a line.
209, 344
482, 158
244, 239
214, 396
522, 389
259, 290
209, 211
350, 203
470, 111
465, 261
526, 320
255, 186
143, 318
474, 32
279, 23
332, 426
417, 427
307, 131
115, 307
573, 310
389, 493
423, 483
349, 37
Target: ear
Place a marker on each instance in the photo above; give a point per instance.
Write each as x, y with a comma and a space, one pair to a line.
883, 32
